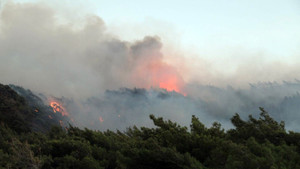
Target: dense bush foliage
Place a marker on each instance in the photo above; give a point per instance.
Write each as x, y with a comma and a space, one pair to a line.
256, 143
14, 110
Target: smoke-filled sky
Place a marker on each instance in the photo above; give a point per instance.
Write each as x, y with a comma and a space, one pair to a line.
269, 26
81, 49
108, 45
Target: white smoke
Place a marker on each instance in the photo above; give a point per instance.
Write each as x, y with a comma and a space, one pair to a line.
45, 52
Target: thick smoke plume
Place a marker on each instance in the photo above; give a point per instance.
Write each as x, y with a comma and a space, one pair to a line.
88, 66
39, 53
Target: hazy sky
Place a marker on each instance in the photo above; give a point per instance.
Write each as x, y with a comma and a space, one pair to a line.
63, 49
223, 42
214, 29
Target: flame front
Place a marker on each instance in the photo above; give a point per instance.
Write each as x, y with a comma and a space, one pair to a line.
170, 84
58, 108
101, 119
159, 74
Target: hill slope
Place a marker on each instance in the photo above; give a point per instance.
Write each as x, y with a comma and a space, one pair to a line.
255, 143
23, 111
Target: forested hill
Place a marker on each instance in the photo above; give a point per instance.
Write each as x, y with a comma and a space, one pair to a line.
254, 143
24, 114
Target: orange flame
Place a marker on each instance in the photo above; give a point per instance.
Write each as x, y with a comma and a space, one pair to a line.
170, 84
101, 119
157, 73
58, 108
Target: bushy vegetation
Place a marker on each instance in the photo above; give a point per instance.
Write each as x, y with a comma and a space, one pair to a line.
13, 110
255, 143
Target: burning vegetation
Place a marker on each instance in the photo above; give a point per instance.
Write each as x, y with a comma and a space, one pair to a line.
57, 107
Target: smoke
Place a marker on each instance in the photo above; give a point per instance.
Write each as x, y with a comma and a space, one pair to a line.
42, 51
119, 109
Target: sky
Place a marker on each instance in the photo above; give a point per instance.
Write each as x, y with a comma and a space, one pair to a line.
223, 42
271, 26
212, 29
208, 51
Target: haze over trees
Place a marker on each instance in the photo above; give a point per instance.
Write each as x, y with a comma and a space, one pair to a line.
253, 143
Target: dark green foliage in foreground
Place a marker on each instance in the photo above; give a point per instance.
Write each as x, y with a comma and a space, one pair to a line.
257, 143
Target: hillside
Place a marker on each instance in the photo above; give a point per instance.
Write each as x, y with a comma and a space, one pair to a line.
256, 143
23, 111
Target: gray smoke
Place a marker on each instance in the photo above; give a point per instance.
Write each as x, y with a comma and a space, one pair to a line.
39, 53
88, 66
119, 109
